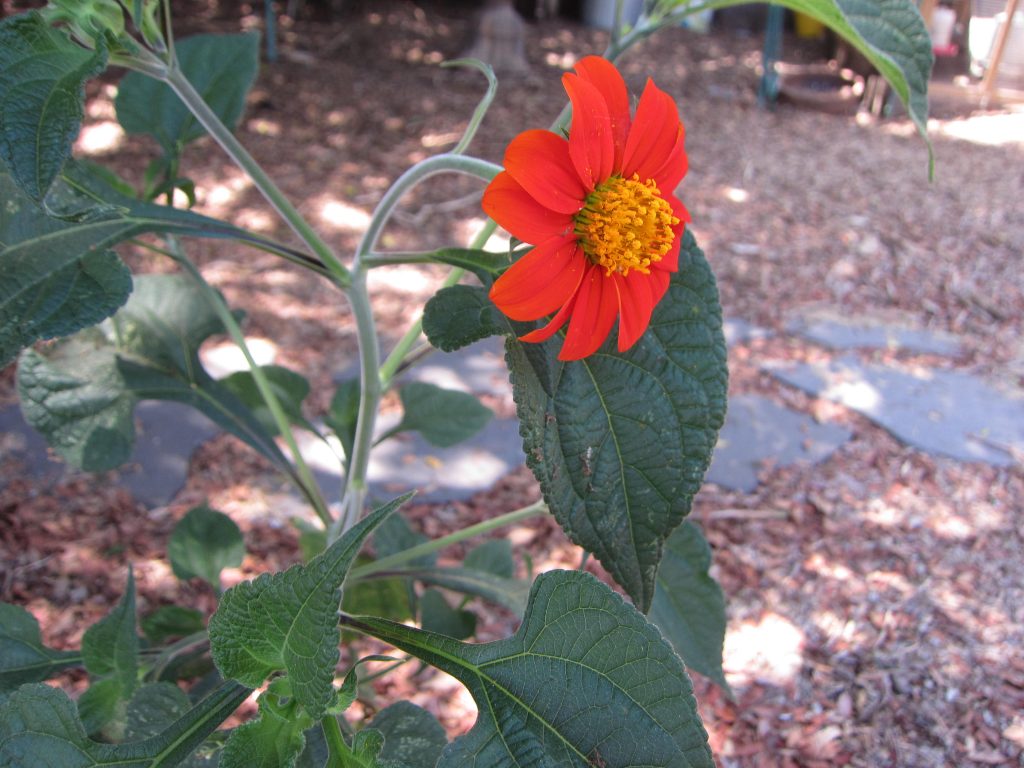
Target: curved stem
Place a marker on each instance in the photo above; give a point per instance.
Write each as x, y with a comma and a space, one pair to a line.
446, 163
308, 482
339, 755
209, 120
429, 547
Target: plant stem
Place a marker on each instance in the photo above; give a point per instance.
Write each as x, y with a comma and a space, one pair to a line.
176, 79
429, 547
397, 355
338, 752
308, 483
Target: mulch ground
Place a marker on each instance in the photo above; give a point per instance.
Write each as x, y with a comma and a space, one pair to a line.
874, 600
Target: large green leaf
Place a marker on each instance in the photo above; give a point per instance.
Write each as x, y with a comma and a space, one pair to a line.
23, 657
221, 68
110, 647
291, 389
40, 727
459, 315
59, 274
204, 543
510, 593
42, 74
689, 607
443, 416
412, 736
620, 441
890, 33
585, 681
439, 617
81, 392
273, 740
288, 621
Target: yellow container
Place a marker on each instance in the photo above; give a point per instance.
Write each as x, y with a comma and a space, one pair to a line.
807, 26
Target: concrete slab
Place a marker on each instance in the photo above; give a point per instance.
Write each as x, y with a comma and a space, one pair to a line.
841, 333
758, 431
946, 413
738, 331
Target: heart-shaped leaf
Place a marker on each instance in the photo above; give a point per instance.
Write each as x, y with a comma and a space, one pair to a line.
42, 78
23, 657
689, 607
620, 441
443, 416
288, 621
586, 681
412, 736
221, 68
39, 726
459, 315
204, 543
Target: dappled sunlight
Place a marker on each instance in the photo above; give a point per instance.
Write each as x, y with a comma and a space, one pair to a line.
342, 217
988, 130
403, 279
225, 358
100, 138
735, 194
466, 229
218, 198
768, 649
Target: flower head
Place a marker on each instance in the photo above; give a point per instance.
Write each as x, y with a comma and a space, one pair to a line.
599, 209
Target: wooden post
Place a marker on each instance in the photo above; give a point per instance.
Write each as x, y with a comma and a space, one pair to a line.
989, 82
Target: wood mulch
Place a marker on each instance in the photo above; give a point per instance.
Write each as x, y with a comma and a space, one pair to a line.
875, 599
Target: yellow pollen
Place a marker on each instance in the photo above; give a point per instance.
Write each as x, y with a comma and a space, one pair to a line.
626, 224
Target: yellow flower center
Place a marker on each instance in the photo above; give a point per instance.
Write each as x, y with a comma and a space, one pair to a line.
626, 224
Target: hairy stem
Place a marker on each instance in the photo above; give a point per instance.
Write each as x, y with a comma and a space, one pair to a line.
429, 547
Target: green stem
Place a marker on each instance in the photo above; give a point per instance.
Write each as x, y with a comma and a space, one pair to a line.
430, 547
308, 483
339, 755
446, 163
397, 356
174, 77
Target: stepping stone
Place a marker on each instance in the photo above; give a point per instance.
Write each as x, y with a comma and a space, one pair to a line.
841, 333
738, 331
167, 436
946, 413
758, 431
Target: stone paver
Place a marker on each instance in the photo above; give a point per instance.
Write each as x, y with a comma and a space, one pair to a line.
947, 413
842, 333
758, 431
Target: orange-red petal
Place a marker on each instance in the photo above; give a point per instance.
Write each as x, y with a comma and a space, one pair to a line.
593, 315
541, 281
539, 161
668, 176
590, 137
636, 303
512, 207
653, 134
603, 75
555, 324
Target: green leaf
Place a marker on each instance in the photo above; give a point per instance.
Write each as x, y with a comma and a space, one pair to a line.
443, 416
585, 681
80, 393
688, 606
493, 556
59, 274
620, 441
484, 264
344, 414
42, 78
437, 616
221, 68
291, 389
110, 647
273, 740
204, 543
387, 597
102, 708
39, 726
412, 736
152, 707
23, 657
171, 621
510, 593
457, 316
288, 621
396, 535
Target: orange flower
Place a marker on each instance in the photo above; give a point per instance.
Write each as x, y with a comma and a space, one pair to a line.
599, 209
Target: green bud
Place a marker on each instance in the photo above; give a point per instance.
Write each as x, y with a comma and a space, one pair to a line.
90, 20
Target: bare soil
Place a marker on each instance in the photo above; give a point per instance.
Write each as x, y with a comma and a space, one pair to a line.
874, 600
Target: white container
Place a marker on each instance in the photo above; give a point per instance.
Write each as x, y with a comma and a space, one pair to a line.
941, 28
601, 13
981, 37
